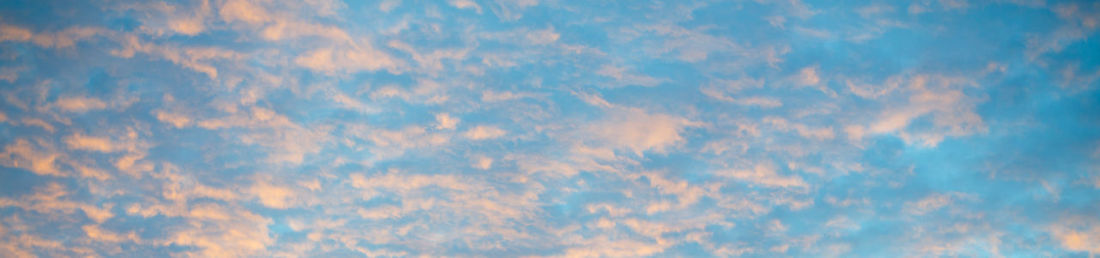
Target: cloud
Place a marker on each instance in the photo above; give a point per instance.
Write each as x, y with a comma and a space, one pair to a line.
38, 123
603, 247
763, 102
689, 45
176, 120
409, 137
808, 76
207, 228
291, 29
91, 143
1078, 21
465, 4
101, 235
352, 103
593, 99
638, 131
50, 199
928, 204
763, 174
383, 212
274, 196
187, 26
24, 245
482, 163
483, 132
933, 202
11, 74
22, 154
166, 19
511, 10
820, 134
241, 128
610, 209
361, 57
388, 5
952, 112
61, 39
462, 197
686, 194
79, 104
493, 96
43, 158
215, 230
543, 37
872, 91
430, 61
625, 78
445, 121
243, 11
1077, 234
198, 59
14, 33
289, 142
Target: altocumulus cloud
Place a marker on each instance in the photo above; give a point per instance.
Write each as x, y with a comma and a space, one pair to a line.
257, 128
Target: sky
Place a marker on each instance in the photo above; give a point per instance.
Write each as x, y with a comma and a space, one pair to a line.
506, 128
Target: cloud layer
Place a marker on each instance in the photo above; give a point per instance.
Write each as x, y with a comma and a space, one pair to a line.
242, 128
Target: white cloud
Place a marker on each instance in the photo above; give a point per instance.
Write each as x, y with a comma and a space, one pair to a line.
42, 160
952, 112
176, 120
808, 76
1077, 234
820, 134
410, 137
543, 37
638, 131
763, 174
243, 11
50, 199
623, 77
274, 196
351, 103
91, 143
763, 102
482, 163
483, 132
102, 235
933, 202
444, 121
199, 59
360, 57
388, 5
511, 10
11, 74
288, 142
430, 61
873, 91
79, 104
493, 96
161, 18
61, 39
465, 4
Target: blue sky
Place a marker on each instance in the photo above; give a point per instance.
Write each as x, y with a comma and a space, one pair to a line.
326, 128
